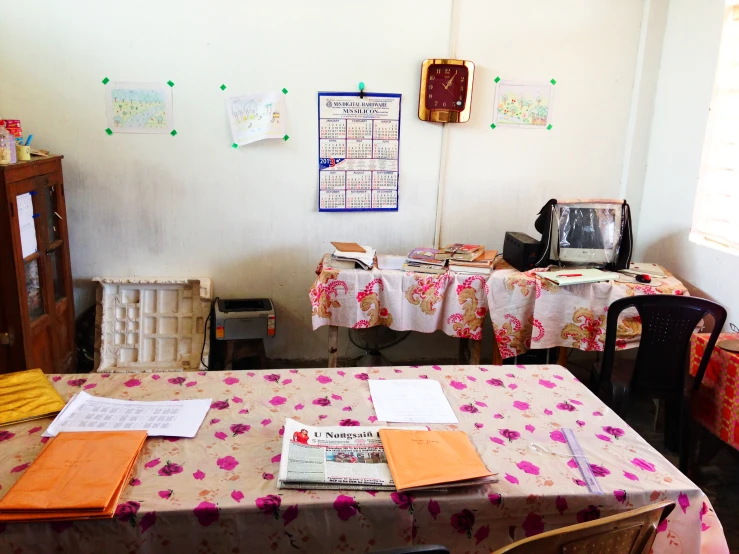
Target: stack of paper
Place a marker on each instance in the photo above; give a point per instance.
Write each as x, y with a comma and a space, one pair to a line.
577, 276
388, 261
424, 260
27, 395
353, 252
76, 476
430, 459
638, 268
411, 401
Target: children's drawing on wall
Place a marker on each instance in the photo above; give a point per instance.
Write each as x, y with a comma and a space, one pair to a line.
139, 107
254, 117
525, 105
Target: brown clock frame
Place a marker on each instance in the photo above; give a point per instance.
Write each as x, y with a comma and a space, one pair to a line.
445, 115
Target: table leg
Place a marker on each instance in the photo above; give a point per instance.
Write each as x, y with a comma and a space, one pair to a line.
333, 345
562, 356
462, 354
475, 347
497, 358
229, 361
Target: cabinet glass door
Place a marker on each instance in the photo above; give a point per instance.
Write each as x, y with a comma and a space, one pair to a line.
34, 293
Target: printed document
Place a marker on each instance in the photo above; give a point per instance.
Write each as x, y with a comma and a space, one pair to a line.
85, 412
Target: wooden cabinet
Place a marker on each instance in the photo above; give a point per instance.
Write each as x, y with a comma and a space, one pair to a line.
36, 303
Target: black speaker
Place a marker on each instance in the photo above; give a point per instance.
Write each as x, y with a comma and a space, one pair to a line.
520, 250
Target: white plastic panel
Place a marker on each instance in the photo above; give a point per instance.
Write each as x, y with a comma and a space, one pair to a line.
151, 324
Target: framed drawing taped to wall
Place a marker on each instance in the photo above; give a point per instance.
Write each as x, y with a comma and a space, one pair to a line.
526, 105
139, 107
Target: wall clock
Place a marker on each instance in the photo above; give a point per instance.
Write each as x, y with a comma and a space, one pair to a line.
446, 90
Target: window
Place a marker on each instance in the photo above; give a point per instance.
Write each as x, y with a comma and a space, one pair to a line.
716, 214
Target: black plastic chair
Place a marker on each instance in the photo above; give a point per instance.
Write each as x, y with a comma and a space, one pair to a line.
661, 362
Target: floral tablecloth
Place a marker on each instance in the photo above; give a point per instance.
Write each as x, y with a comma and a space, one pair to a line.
531, 312
217, 492
455, 304
716, 405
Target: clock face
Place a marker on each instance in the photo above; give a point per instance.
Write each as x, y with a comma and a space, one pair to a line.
446, 87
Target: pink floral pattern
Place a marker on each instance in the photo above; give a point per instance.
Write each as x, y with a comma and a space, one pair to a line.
527, 310
226, 477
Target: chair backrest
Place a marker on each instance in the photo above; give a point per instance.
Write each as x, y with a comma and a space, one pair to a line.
667, 323
631, 532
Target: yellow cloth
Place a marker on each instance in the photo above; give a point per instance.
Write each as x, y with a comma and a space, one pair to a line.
27, 395
76, 476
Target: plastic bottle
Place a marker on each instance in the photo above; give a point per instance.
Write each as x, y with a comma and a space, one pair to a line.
7, 147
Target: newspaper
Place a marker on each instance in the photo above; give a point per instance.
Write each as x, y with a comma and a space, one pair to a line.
334, 458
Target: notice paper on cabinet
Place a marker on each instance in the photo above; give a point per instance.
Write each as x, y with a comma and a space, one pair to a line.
358, 153
26, 224
411, 401
85, 412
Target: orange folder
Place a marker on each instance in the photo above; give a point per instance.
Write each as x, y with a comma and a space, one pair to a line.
76, 476
429, 459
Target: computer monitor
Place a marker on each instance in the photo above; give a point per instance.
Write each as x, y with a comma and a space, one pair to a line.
586, 234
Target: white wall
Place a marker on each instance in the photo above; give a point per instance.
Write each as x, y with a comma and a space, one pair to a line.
689, 59
497, 180
194, 206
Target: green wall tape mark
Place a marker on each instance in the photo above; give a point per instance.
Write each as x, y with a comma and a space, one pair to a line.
497, 79
234, 145
223, 87
170, 83
553, 81
285, 137
549, 127
284, 91
109, 131
106, 81
493, 125
173, 133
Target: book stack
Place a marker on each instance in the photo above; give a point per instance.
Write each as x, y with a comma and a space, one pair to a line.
471, 259
461, 252
352, 253
425, 260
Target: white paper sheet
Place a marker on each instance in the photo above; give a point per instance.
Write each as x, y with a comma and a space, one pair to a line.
254, 117
388, 261
85, 412
26, 224
411, 401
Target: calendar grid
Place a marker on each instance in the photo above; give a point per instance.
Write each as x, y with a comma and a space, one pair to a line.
358, 155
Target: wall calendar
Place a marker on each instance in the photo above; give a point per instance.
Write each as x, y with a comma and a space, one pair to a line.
358, 152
